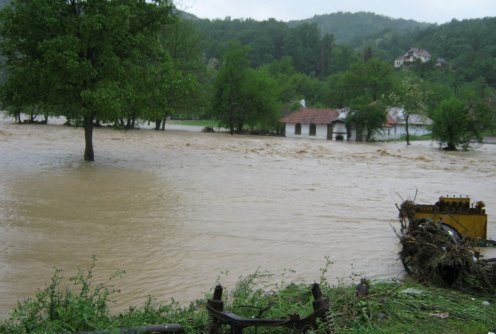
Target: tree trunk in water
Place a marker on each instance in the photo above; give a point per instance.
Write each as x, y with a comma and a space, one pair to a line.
450, 147
368, 137
359, 134
88, 136
407, 129
157, 124
163, 124
17, 116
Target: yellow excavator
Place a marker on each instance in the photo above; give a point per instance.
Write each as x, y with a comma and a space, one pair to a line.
455, 214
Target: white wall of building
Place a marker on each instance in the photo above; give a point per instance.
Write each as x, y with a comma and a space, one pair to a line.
339, 129
399, 131
289, 130
320, 133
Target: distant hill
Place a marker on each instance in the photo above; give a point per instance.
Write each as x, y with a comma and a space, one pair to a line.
354, 28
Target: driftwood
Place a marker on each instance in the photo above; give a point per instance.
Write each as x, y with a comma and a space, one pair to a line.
431, 254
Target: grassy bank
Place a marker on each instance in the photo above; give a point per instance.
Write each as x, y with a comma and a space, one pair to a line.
390, 307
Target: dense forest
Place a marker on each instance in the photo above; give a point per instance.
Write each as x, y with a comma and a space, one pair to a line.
468, 46
246, 74
354, 28
315, 59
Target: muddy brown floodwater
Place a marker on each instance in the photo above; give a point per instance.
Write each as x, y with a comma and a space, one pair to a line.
180, 210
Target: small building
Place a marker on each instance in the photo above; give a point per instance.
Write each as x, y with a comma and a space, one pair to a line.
395, 126
316, 123
412, 56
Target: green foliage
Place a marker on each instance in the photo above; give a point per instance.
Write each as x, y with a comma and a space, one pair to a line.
467, 45
355, 29
310, 51
186, 84
55, 309
228, 88
410, 95
82, 56
368, 80
262, 106
390, 307
367, 117
455, 125
244, 97
362, 88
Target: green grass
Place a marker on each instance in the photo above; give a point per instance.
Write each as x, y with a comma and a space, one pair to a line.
389, 308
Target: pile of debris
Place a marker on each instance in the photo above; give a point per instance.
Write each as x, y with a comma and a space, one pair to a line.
434, 254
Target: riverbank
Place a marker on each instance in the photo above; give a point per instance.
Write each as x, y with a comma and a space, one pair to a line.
389, 307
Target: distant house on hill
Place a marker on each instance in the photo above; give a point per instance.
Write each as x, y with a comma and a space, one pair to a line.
316, 123
411, 56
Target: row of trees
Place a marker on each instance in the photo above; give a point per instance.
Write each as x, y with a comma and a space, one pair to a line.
97, 61
125, 61
252, 98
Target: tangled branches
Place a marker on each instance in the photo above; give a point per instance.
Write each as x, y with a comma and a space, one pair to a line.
432, 254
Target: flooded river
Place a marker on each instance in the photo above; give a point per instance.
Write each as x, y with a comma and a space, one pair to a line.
179, 210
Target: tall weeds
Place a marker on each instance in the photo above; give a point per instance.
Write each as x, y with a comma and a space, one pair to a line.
390, 307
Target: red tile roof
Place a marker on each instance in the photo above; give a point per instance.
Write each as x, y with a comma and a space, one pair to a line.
390, 121
312, 116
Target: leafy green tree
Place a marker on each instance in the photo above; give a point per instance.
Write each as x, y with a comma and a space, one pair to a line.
368, 54
78, 56
342, 57
325, 55
369, 80
305, 48
367, 117
455, 125
244, 97
362, 88
227, 102
183, 90
261, 99
302, 86
410, 95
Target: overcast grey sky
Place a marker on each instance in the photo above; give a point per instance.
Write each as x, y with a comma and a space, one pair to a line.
433, 11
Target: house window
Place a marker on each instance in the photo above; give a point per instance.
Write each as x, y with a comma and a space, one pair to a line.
298, 129
313, 130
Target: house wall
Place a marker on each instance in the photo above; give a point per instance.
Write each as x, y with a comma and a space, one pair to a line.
290, 130
339, 129
320, 133
399, 131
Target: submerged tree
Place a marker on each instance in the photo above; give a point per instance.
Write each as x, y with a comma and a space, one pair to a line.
410, 95
243, 97
367, 117
79, 56
362, 88
455, 124
227, 104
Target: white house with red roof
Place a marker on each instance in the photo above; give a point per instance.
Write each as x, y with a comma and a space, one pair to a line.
395, 127
316, 123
